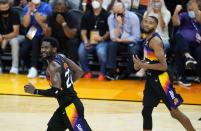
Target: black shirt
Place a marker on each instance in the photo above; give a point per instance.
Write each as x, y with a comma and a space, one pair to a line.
57, 29
7, 23
92, 22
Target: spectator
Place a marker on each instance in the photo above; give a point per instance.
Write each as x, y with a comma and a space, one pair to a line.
171, 5
23, 3
94, 33
187, 41
110, 3
124, 27
20, 3
73, 4
139, 6
158, 9
35, 14
62, 25
9, 23
85, 5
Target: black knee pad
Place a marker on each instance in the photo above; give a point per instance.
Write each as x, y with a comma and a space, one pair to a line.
147, 118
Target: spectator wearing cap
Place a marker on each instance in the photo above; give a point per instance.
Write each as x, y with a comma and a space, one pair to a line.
35, 14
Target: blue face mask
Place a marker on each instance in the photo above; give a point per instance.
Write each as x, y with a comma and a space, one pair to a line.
191, 14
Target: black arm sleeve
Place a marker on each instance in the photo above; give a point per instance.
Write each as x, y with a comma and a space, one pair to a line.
52, 92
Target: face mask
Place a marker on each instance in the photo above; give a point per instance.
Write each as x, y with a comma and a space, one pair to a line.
95, 4
156, 5
4, 12
191, 14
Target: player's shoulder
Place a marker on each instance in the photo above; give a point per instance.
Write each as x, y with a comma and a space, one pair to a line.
156, 41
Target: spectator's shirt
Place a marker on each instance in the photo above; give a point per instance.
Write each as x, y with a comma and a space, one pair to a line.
7, 23
44, 10
188, 27
91, 22
57, 29
130, 28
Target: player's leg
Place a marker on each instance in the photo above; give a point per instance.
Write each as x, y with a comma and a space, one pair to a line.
56, 122
150, 100
172, 100
147, 118
182, 118
74, 114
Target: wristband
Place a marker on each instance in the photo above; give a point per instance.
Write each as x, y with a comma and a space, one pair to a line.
36, 91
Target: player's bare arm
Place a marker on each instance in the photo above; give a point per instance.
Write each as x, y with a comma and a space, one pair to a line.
157, 46
77, 71
54, 71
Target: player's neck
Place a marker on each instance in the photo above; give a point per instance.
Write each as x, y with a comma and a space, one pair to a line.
149, 35
49, 60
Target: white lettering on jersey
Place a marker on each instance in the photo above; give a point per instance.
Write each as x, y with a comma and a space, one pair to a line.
172, 94
69, 80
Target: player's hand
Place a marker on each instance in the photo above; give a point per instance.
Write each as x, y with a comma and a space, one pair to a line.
139, 63
29, 88
136, 61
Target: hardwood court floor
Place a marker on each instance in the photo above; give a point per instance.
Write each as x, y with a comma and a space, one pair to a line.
28, 113
130, 90
25, 113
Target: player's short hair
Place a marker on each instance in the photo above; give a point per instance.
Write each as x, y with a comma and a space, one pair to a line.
53, 41
155, 19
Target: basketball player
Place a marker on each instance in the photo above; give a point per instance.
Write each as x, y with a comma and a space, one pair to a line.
158, 85
61, 73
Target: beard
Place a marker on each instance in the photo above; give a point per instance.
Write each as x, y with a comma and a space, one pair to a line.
147, 31
45, 56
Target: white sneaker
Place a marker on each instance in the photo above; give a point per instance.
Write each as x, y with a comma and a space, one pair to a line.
140, 73
32, 73
14, 70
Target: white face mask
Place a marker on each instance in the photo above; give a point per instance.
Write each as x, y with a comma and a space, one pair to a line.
95, 4
35, 1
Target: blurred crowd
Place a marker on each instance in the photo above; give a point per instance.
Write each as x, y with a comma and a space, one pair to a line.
106, 29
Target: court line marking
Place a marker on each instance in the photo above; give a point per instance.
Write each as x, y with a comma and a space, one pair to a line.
91, 99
